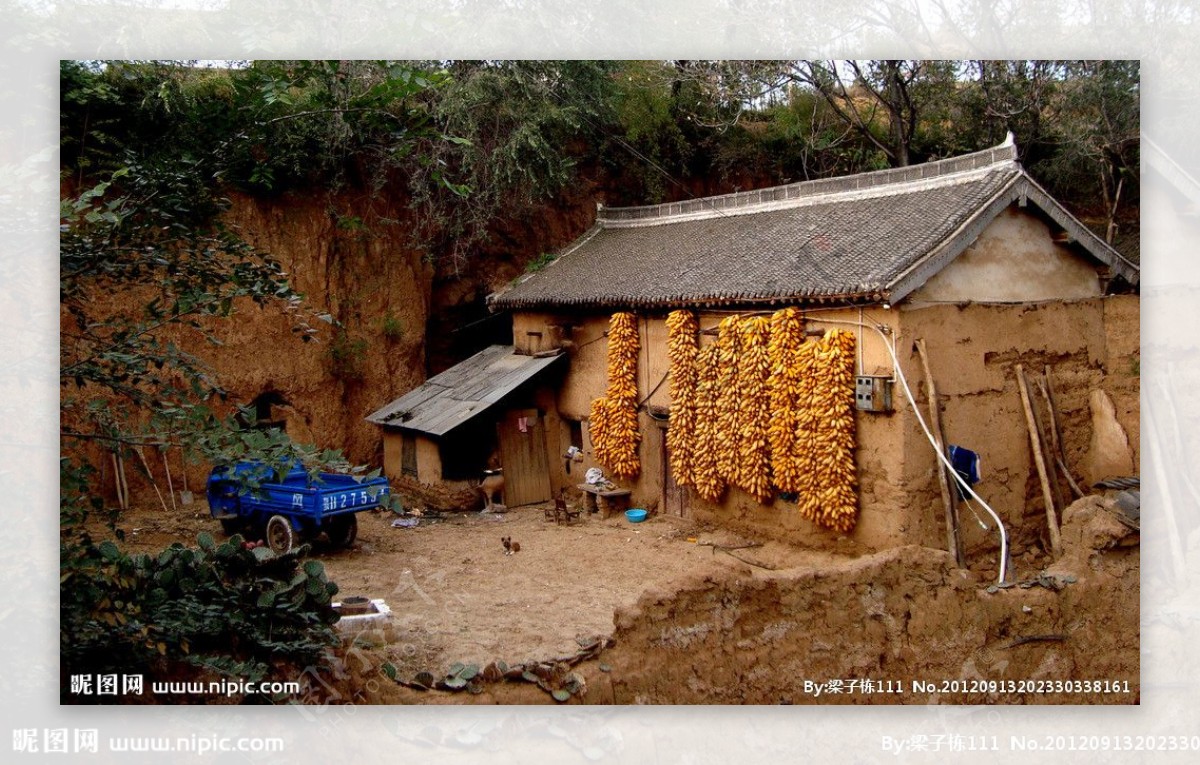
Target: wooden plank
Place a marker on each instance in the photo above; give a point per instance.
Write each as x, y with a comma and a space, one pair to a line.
170, 485
523, 455
598, 492
149, 476
674, 498
953, 545
408, 402
1036, 446
449, 416
464, 391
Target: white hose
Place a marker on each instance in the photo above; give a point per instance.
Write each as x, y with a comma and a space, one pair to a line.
933, 442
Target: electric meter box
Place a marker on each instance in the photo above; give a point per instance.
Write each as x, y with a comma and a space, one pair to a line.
873, 393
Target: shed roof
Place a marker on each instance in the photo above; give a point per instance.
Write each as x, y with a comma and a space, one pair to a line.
873, 236
463, 392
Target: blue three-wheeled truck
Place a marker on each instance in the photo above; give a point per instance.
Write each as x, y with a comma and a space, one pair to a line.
298, 507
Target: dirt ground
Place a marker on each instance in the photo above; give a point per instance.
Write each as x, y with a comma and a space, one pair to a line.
694, 623
457, 597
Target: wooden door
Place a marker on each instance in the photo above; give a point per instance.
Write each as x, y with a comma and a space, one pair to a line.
523, 456
675, 497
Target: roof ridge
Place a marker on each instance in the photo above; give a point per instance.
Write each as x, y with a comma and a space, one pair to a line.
808, 191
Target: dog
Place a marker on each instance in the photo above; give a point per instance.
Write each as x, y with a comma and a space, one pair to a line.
492, 483
510, 546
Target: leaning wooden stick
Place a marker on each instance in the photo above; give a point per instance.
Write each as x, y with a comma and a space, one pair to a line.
150, 477
952, 541
1036, 446
170, 485
1056, 446
117, 481
1047, 441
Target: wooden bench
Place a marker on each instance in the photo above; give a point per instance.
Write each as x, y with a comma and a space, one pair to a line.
606, 501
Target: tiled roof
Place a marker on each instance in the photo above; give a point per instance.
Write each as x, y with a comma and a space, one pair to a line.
873, 236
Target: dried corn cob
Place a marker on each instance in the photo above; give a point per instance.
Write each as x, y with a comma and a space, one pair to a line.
728, 399
623, 348
708, 481
787, 334
614, 421
682, 352
825, 432
754, 410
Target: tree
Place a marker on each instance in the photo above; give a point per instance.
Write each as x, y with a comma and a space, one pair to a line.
1097, 133
519, 129
145, 260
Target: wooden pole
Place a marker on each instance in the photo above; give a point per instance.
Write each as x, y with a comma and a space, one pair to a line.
170, 485
1036, 445
118, 473
150, 477
952, 541
1048, 390
1047, 451
185, 496
1056, 446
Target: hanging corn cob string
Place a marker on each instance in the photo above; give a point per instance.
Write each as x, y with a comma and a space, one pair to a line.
600, 427
622, 358
708, 481
754, 410
682, 352
614, 420
728, 399
825, 431
787, 334
806, 448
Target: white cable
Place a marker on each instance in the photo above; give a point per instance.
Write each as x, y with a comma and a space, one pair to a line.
933, 442
978, 520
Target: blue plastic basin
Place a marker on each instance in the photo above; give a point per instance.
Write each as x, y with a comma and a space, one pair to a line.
637, 515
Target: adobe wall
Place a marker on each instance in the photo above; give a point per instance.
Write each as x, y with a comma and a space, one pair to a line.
1014, 259
888, 519
360, 274
1090, 343
973, 350
899, 616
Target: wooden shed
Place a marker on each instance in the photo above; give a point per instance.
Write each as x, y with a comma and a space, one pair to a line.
487, 411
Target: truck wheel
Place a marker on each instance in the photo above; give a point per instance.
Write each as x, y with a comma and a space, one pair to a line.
280, 536
343, 530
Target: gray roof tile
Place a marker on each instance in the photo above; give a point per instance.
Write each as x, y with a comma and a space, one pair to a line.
861, 237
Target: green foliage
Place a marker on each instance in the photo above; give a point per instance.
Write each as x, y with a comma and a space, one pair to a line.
346, 355
519, 128
473, 143
274, 125
540, 262
392, 327
154, 228
145, 259
226, 442
1095, 132
211, 608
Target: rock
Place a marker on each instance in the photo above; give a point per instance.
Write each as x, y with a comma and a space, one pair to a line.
1091, 524
1109, 455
